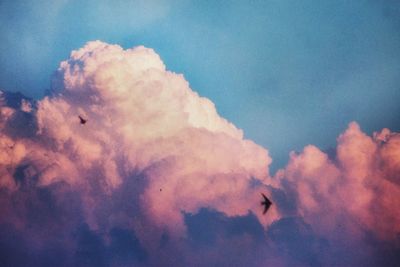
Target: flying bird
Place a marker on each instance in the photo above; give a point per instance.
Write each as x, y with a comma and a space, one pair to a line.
266, 203
83, 121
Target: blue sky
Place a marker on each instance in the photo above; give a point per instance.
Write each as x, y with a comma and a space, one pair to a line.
289, 73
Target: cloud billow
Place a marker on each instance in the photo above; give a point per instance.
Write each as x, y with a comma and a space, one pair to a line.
157, 177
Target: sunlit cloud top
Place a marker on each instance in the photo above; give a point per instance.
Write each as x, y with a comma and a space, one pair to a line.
289, 73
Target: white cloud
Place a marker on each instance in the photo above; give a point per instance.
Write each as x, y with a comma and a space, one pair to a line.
153, 153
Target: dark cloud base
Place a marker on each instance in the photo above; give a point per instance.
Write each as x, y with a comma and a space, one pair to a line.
53, 232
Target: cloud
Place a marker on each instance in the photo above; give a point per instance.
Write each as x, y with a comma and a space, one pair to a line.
357, 189
157, 177
150, 119
147, 132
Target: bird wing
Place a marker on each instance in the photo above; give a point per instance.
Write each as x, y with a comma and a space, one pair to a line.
265, 209
267, 203
266, 200
82, 119
264, 196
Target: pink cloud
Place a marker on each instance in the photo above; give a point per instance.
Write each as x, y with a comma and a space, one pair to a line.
153, 153
143, 118
357, 190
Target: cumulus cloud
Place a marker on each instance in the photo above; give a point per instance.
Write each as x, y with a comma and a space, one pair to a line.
147, 120
147, 131
157, 177
356, 190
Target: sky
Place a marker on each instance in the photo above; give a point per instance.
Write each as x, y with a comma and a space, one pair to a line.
289, 73
194, 108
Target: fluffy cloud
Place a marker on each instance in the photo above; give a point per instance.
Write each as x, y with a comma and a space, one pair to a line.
147, 131
144, 119
157, 177
356, 190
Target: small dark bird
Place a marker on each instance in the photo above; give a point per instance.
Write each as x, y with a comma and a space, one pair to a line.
83, 121
266, 203
160, 189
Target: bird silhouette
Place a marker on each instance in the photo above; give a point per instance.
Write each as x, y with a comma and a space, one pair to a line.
266, 203
82, 120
